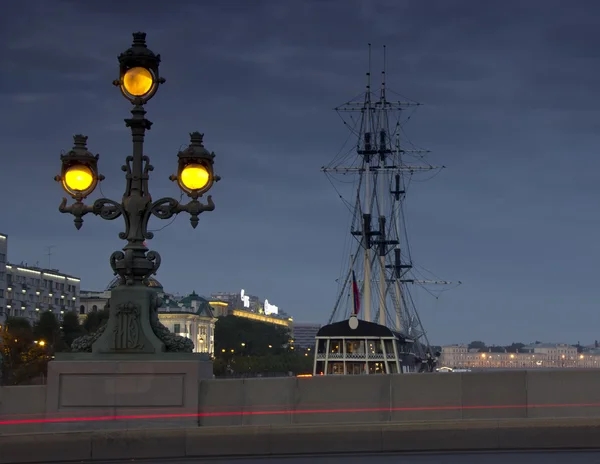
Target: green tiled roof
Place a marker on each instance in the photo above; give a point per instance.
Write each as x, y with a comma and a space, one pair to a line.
187, 301
203, 308
168, 303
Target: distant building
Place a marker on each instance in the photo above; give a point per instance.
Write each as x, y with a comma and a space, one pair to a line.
3, 258
191, 317
284, 322
539, 355
92, 301
246, 302
32, 290
249, 306
26, 291
240, 300
554, 352
220, 308
304, 335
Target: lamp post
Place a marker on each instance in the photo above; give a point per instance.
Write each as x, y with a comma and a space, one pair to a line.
133, 325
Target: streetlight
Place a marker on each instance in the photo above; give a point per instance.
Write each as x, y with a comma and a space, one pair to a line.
133, 318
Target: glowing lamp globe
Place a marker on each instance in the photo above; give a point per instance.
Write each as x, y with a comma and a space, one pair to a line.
194, 177
138, 82
195, 174
138, 71
78, 179
79, 170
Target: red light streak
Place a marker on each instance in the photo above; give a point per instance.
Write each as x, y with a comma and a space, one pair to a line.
103, 418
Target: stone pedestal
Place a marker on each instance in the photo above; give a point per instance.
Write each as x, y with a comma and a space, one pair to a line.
129, 391
128, 329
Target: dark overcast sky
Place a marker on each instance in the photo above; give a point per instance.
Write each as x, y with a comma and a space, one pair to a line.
511, 99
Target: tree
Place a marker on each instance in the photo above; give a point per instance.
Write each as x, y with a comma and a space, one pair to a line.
496, 349
296, 363
47, 329
514, 347
249, 337
23, 358
71, 328
94, 320
478, 345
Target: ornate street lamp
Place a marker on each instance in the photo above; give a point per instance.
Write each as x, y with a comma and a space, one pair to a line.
138, 77
133, 322
79, 174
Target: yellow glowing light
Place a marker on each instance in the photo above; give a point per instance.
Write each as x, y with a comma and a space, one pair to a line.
42, 342
79, 178
138, 81
194, 177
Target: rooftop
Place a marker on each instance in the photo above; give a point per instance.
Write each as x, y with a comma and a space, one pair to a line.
364, 329
24, 267
199, 304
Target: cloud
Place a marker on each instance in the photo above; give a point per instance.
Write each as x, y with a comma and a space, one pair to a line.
510, 107
28, 97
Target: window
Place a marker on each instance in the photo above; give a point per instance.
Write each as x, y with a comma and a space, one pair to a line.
177, 328
82, 309
94, 308
1, 293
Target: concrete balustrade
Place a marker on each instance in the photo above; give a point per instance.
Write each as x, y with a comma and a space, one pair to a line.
353, 399
475, 410
401, 398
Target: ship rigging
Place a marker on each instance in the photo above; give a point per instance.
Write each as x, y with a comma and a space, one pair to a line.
380, 165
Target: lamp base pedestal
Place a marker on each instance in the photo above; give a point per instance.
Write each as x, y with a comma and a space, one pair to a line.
90, 392
128, 329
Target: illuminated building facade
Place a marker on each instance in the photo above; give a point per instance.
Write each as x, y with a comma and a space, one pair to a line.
245, 302
540, 355
285, 322
3, 257
32, 290
191, 317
26, 291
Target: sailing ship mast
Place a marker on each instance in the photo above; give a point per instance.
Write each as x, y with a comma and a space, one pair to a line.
378, 224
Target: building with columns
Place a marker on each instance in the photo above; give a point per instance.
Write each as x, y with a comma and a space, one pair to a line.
539, 355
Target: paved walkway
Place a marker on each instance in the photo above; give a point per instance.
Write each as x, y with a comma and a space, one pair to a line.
552, 457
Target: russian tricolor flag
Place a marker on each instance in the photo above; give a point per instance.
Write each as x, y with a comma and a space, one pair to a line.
355, 294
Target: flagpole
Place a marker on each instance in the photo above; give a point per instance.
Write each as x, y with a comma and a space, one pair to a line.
351, 276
